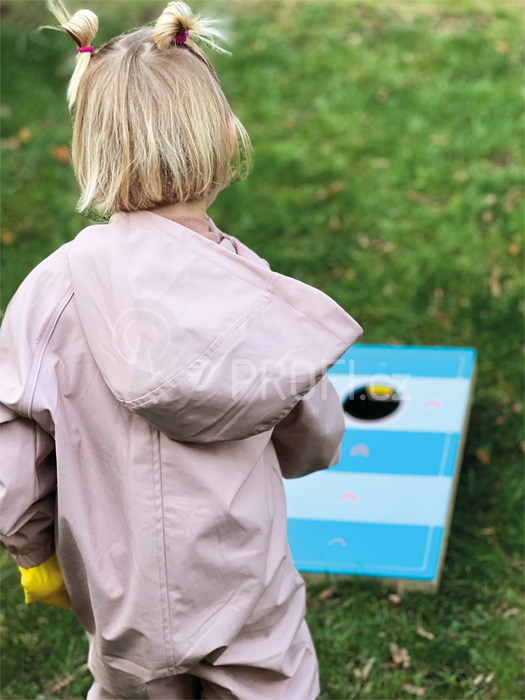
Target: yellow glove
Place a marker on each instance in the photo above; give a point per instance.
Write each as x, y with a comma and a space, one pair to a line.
44, 584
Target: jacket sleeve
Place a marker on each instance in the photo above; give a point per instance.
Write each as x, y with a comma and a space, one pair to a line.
27, 489
310, 437
27, 450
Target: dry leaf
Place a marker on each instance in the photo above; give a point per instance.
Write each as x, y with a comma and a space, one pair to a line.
486, 531
483, 456
423, 633
327, 592
367, 668
62, 684
517, 407
495, 280
400, 656
414, 690
513, 249
490, 199
478, 679
394, 598
330, 191
488, 216
6, 237
501, 419
25, 134
510, 612
512, 198
365, 671
501, 47
61, 154
489, 678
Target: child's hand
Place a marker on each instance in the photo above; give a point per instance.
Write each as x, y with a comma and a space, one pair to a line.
44, 584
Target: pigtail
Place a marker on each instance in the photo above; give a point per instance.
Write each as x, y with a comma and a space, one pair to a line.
177, 23
82, 27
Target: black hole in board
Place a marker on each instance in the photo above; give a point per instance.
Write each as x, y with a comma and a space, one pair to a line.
371, 402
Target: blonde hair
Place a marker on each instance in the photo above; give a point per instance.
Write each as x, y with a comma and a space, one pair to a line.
152, 126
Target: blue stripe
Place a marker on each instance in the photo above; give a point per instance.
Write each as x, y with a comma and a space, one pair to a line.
391, 452
414, 360
405, 551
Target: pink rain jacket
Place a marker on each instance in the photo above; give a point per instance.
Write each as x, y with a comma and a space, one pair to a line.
155, 388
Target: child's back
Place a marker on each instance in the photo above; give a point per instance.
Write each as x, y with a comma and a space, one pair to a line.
152, 399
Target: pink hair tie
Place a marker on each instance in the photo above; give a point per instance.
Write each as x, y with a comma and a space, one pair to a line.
181, 38
85, 49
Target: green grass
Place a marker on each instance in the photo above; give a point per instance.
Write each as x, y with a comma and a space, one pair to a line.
389, 173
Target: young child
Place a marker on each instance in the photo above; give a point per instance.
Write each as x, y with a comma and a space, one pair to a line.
157, 382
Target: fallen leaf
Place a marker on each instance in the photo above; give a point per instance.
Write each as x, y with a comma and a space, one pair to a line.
500, 420
63, 683
365, 671
330, 191
6, 237
512, 198
423, 633
510, 612
488, 216
483, 456
327, 592
394, 598
491, 199
495, 280
501, 47
513, 249
414, 690
489, 678
61, 154
400, 656
367, 668
25, 134
478, 679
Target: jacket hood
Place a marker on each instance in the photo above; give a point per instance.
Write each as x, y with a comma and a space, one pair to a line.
204, 343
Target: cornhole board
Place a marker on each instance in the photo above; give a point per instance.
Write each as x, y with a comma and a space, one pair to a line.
385, 510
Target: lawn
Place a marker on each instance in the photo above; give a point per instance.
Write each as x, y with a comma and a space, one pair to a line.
388, 142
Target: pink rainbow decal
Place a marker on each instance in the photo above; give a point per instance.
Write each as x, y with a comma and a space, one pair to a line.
433, 403
360, 449
349, 495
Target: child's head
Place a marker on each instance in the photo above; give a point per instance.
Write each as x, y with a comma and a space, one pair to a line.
152, 126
